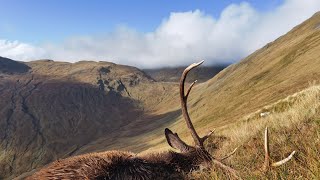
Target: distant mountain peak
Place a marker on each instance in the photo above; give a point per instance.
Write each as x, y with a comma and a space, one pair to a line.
9, 66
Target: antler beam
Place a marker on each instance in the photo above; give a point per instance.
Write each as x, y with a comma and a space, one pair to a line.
184, 97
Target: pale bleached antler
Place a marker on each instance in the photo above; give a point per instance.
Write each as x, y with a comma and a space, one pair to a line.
266, 165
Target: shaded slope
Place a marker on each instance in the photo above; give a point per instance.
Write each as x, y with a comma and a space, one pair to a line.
9, 66
56, 108
45, 120
202, 74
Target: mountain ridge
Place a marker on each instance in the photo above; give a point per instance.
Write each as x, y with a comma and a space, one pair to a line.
171, 74
8, 66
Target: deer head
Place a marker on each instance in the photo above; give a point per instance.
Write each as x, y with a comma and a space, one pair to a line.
199, 153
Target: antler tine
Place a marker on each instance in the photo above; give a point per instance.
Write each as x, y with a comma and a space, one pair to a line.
198, 141
266, 164
190, 87
230, 154
208, 135
279, 163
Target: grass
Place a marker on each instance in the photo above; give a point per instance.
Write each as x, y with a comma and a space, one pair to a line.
294, 124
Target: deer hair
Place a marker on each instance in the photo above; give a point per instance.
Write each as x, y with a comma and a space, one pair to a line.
162, 165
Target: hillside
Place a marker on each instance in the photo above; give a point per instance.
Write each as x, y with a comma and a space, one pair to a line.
293, 123
8, 66
102, 106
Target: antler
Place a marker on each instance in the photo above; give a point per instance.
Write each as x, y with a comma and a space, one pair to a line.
184, 97
267, 164
198, 140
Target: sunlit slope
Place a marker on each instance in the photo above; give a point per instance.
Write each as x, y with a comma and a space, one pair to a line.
282, 67
294, 125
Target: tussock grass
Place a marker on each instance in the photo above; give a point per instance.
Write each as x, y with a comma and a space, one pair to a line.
294, 124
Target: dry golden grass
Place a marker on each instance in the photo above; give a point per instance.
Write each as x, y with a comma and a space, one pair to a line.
295, 127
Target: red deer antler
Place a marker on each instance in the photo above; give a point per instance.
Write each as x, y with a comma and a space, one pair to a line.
267, 164
198, 141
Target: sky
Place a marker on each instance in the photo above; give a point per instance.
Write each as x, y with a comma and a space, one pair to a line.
145, 34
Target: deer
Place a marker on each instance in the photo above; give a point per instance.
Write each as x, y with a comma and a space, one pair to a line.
156, 165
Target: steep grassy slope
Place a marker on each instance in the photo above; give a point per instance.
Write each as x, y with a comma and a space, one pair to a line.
279, 69
294, 124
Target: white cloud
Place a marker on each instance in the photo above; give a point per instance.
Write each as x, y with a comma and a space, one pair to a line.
180, 39
19, 51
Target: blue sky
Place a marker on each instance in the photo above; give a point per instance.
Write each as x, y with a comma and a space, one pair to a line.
37, 21
145, 33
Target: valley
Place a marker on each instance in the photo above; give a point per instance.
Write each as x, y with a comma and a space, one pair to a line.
51, 110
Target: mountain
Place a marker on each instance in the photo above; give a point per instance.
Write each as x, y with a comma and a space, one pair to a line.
50, 109
8, 66
59, 109
169, 74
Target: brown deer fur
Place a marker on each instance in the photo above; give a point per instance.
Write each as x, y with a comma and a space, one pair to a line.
126, 165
